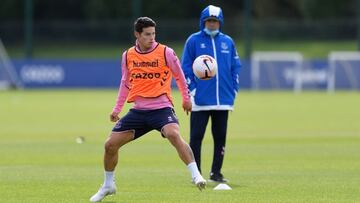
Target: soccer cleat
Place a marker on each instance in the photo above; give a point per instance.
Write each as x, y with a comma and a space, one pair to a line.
200, 182
103, 192
217, 177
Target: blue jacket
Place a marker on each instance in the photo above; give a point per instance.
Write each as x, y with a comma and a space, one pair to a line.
219, 92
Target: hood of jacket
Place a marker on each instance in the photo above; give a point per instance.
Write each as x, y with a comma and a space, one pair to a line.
211, 11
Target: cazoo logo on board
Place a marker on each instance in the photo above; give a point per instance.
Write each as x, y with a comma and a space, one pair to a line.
42, 74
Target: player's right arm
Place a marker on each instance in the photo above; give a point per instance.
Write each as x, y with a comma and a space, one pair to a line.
123, 90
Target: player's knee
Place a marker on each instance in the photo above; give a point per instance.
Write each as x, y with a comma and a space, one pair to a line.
110, 148
172, 134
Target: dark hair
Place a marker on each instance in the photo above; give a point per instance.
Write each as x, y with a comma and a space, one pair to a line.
143, 22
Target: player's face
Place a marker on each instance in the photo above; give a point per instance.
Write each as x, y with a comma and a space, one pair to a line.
146, 38
212, 24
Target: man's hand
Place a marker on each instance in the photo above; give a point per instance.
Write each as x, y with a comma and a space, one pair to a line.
114, 117
187, 106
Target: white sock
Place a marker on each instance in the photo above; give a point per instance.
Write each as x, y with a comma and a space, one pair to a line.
193, 170
108, 178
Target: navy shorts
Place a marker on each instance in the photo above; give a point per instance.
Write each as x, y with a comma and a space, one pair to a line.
143, 121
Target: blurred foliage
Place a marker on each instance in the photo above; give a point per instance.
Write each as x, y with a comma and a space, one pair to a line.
93, 10
328, 8
109, 22
305, 9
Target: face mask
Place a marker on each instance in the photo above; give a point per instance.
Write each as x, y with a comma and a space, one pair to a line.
212, 33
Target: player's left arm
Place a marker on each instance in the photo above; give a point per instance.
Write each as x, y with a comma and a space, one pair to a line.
235, 68
173, 63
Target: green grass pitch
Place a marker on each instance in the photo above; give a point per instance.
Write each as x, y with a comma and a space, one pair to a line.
281, 147
310, 48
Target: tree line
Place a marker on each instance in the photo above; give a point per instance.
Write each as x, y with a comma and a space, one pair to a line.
97, 10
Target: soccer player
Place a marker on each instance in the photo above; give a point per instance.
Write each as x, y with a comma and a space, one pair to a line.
215, 97
147, 69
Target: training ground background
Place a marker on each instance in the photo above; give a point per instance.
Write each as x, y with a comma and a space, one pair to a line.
281, 147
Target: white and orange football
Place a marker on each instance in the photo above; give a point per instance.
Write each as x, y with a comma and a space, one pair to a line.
205, 67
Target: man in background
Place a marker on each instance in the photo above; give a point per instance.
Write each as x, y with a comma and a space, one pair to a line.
215, 97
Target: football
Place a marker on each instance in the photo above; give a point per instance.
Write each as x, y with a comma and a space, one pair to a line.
204, 67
